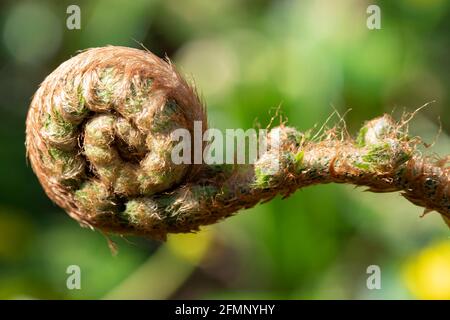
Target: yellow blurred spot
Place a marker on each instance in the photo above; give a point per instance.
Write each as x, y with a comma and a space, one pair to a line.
427, 275
191, 247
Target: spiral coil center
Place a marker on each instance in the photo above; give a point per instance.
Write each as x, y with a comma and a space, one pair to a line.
102, 123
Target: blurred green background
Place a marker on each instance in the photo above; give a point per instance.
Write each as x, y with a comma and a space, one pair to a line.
247, 58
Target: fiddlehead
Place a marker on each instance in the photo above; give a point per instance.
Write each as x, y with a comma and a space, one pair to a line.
99, 140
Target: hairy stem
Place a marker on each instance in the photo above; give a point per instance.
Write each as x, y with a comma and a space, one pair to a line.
383, 158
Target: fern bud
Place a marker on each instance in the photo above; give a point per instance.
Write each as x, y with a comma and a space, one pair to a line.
99, 136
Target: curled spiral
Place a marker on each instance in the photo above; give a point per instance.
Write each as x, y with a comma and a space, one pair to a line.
98, 136
98, 132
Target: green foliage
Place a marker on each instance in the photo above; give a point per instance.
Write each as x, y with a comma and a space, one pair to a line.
247, 58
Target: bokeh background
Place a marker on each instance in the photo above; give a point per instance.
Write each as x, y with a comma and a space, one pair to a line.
247, 58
